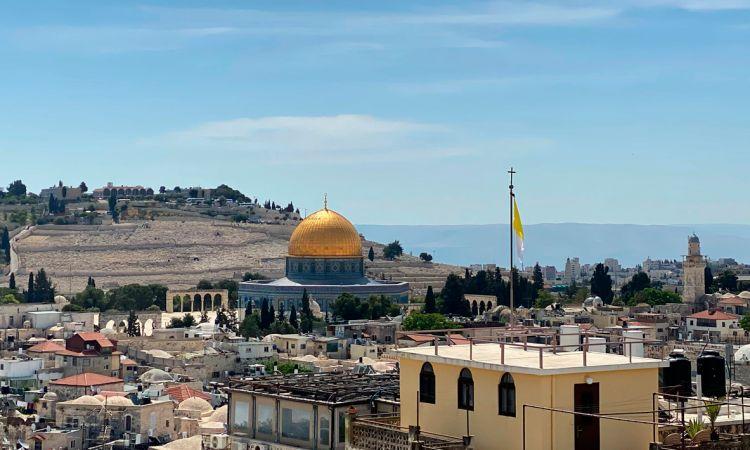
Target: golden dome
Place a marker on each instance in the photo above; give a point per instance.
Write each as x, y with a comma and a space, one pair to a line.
325, 233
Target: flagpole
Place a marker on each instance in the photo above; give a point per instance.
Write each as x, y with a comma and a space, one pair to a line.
510, 226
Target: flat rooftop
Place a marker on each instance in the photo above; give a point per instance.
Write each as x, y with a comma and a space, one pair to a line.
487, 356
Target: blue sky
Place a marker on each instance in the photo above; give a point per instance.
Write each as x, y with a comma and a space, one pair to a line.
633, 111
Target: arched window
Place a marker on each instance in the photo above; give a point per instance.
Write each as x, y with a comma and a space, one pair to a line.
427, 384
507, 396
465, 390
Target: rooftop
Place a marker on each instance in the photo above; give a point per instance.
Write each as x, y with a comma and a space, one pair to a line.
86, 379
46, 347
488, 356
713, 315
329, 388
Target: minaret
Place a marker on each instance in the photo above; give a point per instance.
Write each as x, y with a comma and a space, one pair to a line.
693, 272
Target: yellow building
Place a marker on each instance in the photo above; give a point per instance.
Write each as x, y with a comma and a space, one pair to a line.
486, 388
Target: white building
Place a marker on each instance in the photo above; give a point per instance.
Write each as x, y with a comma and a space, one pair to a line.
572, 270
19, 371
716, 325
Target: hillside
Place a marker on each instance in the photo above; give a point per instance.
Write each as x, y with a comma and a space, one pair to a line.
552, 243
179, 252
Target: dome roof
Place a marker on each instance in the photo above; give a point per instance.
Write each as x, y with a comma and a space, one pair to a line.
155, 376
694, 238
194, 404
744, 294
220, 415
116, 400
50, 396
86, 400
325, 233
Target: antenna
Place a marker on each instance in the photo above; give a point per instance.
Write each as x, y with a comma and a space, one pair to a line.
325, 201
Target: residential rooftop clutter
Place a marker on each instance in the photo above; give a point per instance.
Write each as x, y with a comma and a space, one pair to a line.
306, 410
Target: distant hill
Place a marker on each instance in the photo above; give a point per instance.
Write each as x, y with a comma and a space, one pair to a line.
551, 243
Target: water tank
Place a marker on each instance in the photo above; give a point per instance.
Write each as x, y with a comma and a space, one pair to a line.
570, 336
713, 375
596, 344
677, 378
635, 336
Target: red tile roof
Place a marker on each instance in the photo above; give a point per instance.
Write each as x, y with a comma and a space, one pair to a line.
458, 339
46, 347
713, 315
98, 337
128, 362
86, 379
182, 392
113, 394
416, 337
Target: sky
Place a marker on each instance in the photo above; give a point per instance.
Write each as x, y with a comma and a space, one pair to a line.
630, 111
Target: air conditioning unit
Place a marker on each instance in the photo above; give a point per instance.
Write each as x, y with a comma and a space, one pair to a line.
219, 441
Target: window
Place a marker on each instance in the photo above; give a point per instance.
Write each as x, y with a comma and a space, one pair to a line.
128, 423
427, 384
507, 396
465, 390
325, 431
295, 424
264, 418
241, 416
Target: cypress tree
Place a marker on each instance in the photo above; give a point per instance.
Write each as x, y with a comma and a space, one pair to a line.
12, 281
429, 301
264, 322
293, 317
271, 314
30, 295
371, 254
306, 324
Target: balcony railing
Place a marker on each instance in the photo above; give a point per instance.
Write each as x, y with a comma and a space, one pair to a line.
383, 432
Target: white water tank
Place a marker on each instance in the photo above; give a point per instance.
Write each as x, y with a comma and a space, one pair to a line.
596, 344
570, 335
633, 336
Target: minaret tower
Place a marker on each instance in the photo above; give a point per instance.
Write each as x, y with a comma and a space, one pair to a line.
693, 272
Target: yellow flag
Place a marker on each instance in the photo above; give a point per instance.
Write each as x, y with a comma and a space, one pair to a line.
518, 229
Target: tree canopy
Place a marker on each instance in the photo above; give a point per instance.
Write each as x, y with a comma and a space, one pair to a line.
424, 321
601, 283
393, 250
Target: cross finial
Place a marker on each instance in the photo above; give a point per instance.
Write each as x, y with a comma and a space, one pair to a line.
325, 201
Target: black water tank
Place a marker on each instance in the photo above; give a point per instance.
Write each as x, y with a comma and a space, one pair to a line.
677, 378
713, 375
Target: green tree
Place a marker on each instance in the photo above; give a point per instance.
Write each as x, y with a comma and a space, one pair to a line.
429, 301
727, 280
44, 291
250, 326
91, 297
306, 319
543, 299
83, 187
709, 280
601, 283
474, 308
347, 307
393, 250
421, 321
188, 321
453, 296
293, 317
538, 281
371, 254
133, 328
205, 284
17, 188
8, 299
745, 322
30, 294
654, 296
426, 257
12, 281
265, 317
639, 282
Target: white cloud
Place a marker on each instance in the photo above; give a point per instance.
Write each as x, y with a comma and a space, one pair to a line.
304, 139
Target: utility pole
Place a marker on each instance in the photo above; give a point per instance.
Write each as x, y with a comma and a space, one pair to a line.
510, 227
